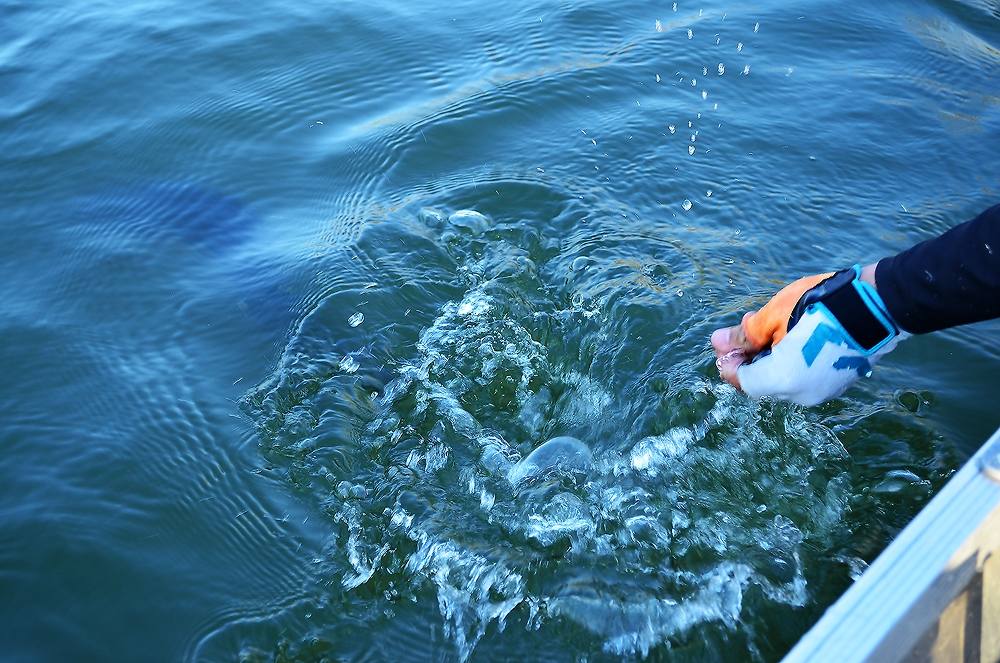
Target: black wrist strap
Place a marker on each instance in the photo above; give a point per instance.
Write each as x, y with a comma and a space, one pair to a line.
844, 301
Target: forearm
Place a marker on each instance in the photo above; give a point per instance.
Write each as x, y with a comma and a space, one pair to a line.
951, 280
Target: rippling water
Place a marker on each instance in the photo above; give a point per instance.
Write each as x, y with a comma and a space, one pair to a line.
289, 288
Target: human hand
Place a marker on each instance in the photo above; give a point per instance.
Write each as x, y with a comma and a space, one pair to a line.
811, 341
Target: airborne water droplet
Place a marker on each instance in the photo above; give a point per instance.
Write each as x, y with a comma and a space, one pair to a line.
756, 27
704, 94
674, 7
657, 78
746, 70
709, 193
672, 128
659, 26
691, 149
690, 34
722, 69
694, 82
739, 47
356, 319
686, 204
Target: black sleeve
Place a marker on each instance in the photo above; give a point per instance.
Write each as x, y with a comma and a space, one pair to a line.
950, 280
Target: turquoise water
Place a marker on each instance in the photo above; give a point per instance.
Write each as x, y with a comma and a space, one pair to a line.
263, 388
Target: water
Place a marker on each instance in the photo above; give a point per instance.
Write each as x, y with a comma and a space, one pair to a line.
289, 288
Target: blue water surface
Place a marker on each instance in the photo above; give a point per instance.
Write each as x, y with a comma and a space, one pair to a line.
262, 387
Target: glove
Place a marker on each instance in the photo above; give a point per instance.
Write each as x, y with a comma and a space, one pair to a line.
811, 341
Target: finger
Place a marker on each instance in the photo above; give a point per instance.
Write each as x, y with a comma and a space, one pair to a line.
728, 365
727, 339
724, 340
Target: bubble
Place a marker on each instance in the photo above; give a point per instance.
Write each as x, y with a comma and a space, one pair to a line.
566, 453
687, 203
431, 217
356, 319
469, 220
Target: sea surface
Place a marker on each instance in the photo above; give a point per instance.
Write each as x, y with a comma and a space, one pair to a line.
288, 288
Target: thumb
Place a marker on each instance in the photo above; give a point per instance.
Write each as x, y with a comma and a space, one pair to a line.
730, 339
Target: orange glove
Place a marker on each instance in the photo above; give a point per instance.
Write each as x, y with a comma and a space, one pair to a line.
768, 326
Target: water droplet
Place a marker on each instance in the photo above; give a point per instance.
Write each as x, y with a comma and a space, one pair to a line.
761, 508
721, 68
746, 70
349, 364
694, 82
690, 34
739, 47
704, 71
689, 124
356, 319
674, 7
756, 27
694, 137
686, 205
709, 193
659, 26
657, 78
704, 94
672, 128
680, 293
691, 149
